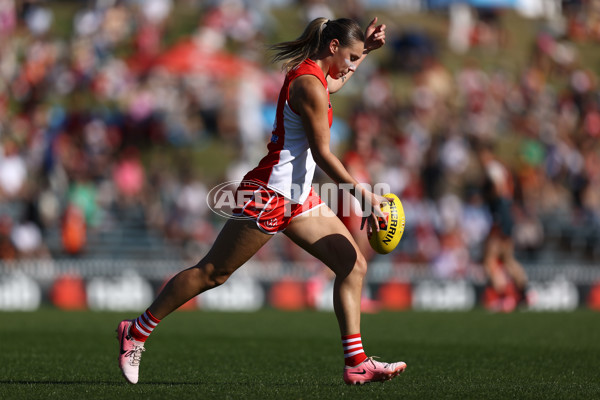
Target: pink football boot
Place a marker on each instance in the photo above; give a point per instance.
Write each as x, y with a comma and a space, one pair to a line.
130, 352
372, 371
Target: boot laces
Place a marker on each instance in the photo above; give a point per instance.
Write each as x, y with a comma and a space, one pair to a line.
135, 355
373, 361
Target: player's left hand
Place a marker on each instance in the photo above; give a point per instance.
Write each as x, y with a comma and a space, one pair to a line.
375, 214
375, 36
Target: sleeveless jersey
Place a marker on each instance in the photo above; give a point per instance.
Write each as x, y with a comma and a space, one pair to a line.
289, 167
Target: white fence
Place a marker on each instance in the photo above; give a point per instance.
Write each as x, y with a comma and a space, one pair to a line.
132, 285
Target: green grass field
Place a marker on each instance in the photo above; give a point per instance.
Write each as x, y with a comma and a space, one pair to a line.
276, 355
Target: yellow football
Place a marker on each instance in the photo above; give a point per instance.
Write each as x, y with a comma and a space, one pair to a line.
390, 231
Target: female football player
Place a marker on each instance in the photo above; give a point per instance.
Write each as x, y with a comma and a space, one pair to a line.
279, 197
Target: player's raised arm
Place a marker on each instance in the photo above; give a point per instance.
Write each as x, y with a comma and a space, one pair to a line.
374, 39
309, 99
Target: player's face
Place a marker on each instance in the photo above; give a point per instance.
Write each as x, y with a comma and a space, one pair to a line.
345, 59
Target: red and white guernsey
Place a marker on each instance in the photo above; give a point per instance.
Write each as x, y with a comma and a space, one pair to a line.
289, 167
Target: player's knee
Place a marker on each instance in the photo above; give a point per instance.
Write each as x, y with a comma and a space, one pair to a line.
211, 276
216, 277
360, 266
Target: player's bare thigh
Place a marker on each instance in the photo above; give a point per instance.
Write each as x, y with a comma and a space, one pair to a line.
237, 242
321, 233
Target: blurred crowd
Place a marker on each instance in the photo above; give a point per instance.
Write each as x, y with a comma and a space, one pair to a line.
87, 125
80, 117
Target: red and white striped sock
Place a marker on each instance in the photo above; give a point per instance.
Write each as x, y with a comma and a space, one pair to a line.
353, 350
143, 326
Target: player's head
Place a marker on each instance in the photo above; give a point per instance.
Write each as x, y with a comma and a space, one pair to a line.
341, 39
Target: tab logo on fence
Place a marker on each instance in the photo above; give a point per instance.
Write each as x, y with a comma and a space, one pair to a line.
18, 292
